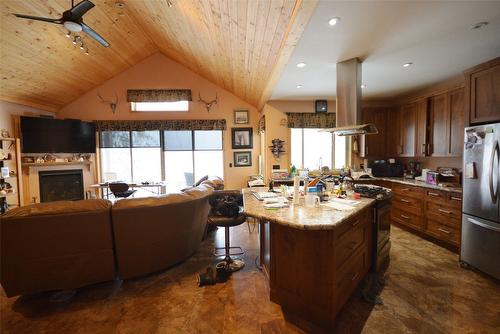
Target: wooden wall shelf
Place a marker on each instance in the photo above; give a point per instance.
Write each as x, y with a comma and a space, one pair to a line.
42, 164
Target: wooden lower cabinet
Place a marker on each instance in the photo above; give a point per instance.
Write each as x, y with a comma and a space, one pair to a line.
312, 273
430, 212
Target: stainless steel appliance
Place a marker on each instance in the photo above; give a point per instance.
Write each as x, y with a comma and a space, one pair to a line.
381, 234
480, 246
381, 223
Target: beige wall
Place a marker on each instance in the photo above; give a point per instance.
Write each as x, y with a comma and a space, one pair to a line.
275, 111
8, 109
160, 72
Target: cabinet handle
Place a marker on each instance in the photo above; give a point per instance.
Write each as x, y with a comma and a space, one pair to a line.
405, 200
433, 194
444, 231
356, 274
423, 149
366, 149
445, 211
453, 198
354, 223
405, 217
405, 189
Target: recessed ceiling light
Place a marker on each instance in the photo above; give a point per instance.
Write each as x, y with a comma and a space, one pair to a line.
299, 86
333, 21
363, 86
407, 64
301, 65
479, 25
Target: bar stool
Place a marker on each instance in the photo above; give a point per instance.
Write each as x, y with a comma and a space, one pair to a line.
227, 211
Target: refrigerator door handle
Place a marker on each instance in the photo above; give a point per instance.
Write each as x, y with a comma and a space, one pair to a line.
494, 152
489, 227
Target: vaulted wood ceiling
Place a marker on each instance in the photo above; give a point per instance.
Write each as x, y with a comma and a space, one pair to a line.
241, 45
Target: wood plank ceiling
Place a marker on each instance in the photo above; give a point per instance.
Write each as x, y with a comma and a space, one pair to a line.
240, 45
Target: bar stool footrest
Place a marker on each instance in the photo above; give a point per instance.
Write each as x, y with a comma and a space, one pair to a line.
217, 254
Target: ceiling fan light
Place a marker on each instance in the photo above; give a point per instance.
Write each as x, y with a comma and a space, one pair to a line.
72, 26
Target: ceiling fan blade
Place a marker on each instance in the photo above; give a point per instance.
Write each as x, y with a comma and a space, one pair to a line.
89, 31
38, 18
80, 9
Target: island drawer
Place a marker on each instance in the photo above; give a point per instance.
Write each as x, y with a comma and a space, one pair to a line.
409, 191
455, 200
443, 232
351, 242
406, 218
360, 218
409, 204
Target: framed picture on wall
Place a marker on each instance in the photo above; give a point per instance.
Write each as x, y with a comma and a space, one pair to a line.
242, 138
243, 159
241, 117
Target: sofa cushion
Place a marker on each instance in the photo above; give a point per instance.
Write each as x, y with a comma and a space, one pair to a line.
59, 207
172, 198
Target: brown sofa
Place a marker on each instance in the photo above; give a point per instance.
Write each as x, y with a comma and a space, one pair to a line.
155, 233
67, 245
56, 246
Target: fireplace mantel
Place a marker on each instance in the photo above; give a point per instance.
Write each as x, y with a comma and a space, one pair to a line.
31, 182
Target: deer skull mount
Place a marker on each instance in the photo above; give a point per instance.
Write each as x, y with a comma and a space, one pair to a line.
112, 104
208, 105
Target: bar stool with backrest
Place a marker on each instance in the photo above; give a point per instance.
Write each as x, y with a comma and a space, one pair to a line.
227, 211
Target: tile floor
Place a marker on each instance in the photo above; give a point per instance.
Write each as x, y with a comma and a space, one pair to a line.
426, 292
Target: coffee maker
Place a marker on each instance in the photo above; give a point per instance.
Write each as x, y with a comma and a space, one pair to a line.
414, 169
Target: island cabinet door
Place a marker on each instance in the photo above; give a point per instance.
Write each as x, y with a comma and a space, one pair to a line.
301, 274
352, 256
265, 246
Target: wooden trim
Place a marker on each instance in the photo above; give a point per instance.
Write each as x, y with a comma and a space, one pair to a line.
302, 13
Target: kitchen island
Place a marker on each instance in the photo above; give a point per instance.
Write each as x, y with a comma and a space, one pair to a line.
313, 257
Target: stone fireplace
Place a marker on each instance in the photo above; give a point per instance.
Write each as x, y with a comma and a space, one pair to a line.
59, 185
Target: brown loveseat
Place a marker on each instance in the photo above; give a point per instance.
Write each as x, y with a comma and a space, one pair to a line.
56, 246
155, 233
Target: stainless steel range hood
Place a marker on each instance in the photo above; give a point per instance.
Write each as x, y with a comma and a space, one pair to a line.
349, 101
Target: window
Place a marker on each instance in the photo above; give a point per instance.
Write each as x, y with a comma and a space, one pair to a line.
131, 156
190, 155
138, 156
313, 149
160, 106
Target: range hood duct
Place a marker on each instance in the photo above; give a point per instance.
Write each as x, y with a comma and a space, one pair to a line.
349, 101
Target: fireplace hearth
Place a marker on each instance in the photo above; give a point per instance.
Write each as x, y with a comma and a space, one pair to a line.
61, 185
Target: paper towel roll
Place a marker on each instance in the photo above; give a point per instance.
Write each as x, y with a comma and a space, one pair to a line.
296, 193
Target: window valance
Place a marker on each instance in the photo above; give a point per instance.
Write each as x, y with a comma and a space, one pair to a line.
311, 120
199, 124
158, 95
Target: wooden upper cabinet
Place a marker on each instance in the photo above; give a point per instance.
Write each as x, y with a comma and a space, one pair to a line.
375, 145
438, 118
421, 128
393, 147
456, 122
482, 85
446, 117
408, 121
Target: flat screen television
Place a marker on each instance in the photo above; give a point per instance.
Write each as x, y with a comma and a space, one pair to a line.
47, 135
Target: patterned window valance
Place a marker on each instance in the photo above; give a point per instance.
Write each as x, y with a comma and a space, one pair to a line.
158, 95
198, 124
311, 120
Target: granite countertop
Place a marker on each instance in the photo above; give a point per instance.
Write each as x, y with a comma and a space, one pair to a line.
300, 216
413, 182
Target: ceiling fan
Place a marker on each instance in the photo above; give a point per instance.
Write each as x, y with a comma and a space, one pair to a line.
72, 20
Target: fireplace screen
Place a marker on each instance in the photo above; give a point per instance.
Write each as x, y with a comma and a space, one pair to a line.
61, 185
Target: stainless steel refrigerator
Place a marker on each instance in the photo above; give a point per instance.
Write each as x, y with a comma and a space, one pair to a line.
480, 246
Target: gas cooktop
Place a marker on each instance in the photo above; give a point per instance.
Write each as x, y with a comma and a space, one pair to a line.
373, 191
